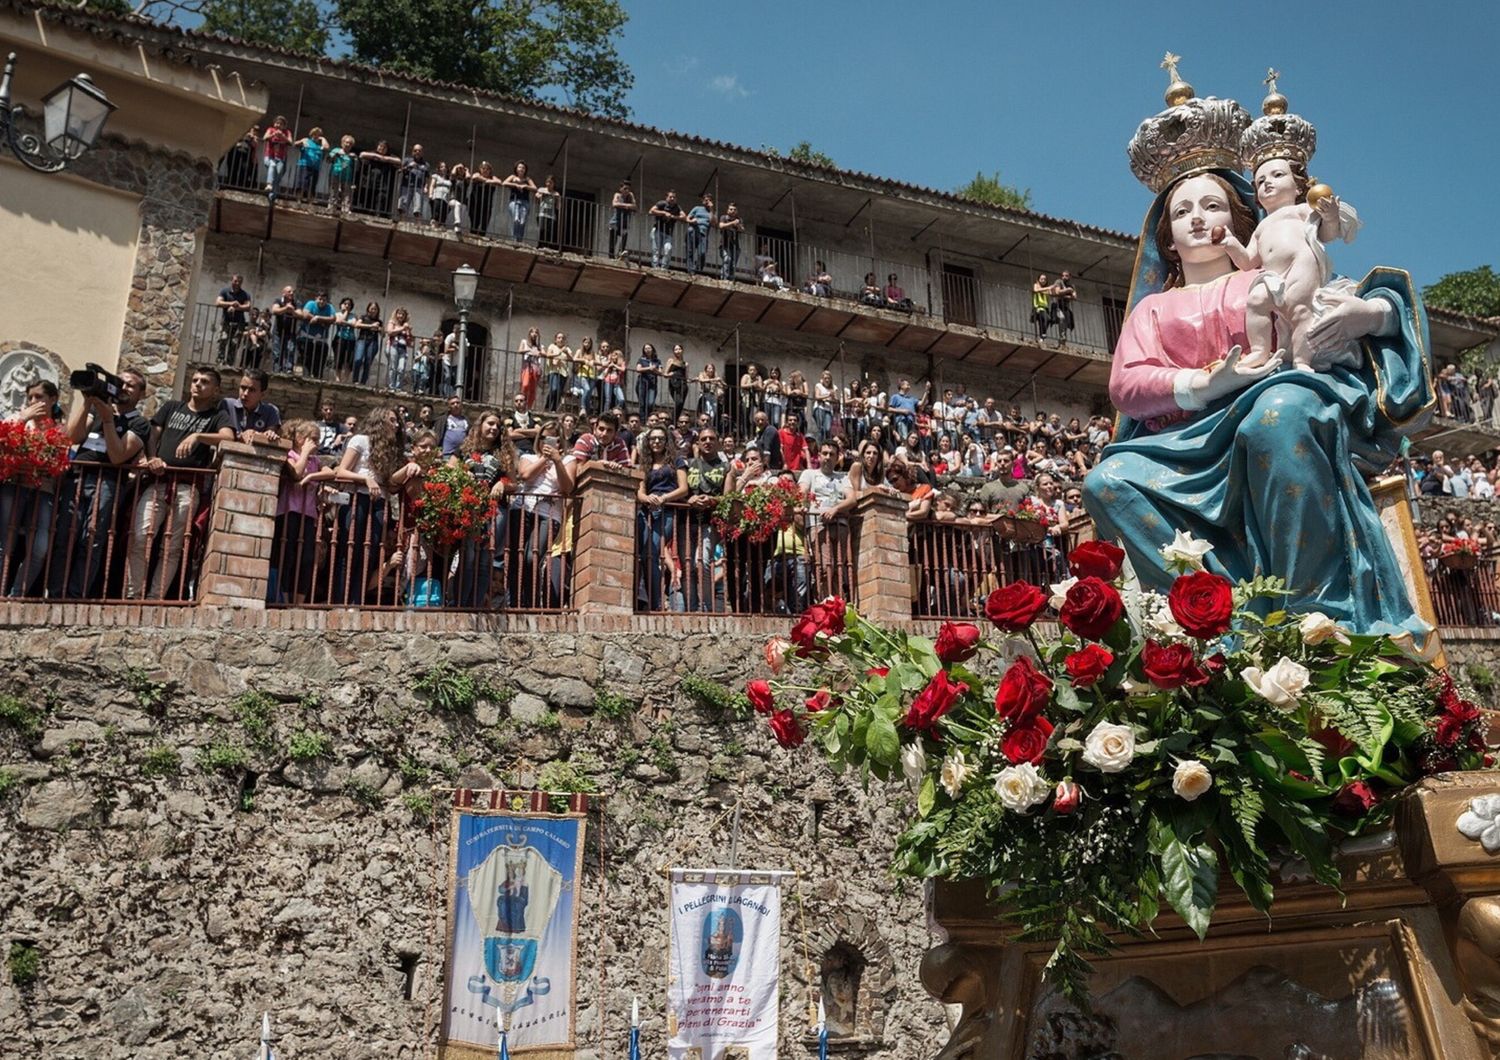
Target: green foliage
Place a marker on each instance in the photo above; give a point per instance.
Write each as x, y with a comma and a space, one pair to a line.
569, 777
151, 696
305, 746
1474, 292
548, 721
717, 697
223, 757
26, 718
294, 24
990, 189
161, 761
25, 964
364, 793
256, 713
412, 771
1480, 677
662, 755
449, 690
419, 803
612, 705
9, 782
804, 152
563, 50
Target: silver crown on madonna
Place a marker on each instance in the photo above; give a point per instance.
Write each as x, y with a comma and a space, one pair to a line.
1191, 135
1277, 134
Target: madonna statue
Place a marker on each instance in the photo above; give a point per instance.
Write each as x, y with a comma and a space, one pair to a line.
1264, 462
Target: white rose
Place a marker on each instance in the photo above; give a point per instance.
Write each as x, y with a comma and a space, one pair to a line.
1021, 787
1280, 685
955, 772
1316, 627
1110, 747
1191, 779
1186, 552
914, 764
1163, 623
1060, 593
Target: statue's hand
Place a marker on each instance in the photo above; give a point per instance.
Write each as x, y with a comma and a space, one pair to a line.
1347, 319
1231, 375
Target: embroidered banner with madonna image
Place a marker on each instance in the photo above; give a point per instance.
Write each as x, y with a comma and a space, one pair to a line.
513, 904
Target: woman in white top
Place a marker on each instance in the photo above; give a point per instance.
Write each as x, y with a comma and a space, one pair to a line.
370, 458
439, 188
824, 394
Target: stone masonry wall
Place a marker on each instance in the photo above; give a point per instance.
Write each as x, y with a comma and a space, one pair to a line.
169, 903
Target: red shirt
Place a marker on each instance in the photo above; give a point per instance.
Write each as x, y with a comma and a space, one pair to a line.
793, 449
277, 141
588, 448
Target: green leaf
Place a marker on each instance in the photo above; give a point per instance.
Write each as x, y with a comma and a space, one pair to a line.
882, 742
927, 795
1190, 880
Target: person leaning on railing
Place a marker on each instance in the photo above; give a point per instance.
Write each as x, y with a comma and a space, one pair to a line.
106, 437
663, 483
26, 511
184, 435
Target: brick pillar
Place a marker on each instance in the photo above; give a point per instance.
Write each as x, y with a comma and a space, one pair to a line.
883, 565
237, 557
604, 556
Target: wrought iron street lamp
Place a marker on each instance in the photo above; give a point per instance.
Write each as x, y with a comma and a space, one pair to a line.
465, 287
73, 115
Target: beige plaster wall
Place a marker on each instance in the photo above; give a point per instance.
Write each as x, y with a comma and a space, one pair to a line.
69, 248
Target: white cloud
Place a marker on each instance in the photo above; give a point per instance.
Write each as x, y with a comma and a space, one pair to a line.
729, 85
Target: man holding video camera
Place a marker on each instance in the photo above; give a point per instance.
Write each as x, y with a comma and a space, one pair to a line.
109, 433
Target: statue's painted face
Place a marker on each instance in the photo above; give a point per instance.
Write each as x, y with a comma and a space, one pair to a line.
1197, 206
1275, 185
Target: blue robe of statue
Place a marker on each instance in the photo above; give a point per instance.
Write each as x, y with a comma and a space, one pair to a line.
1272, 475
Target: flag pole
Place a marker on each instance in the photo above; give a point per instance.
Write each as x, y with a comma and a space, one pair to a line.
635, 1028
822, 1031
265, 1052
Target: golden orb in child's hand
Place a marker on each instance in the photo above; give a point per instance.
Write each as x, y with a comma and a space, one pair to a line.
1317, 193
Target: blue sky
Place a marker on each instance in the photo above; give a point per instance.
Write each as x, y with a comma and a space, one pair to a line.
1406, 101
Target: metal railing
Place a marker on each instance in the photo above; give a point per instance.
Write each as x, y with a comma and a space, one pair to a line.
685, 563
956, 565
1466, 595
106, 533
340, 548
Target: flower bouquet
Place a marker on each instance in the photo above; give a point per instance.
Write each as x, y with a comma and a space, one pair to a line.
761, 512
32, 457
1459, 554
1026, 522
454, 507
1093, 776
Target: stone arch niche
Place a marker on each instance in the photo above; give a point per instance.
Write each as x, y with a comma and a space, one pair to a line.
855, 977
23, 363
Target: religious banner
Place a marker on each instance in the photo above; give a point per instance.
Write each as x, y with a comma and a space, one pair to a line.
512, 924
723, 992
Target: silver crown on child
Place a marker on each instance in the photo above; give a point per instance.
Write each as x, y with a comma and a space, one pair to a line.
1277, 134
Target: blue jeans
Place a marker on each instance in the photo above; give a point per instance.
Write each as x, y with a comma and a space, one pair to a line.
555, 384
284, 350
275, 167
700, 541
357, 550
655, 526
616, 394
535, 592
697, 247
729, 260
824, 419
366, 349
661, 247
786, 585
709, 406
25, 514
519, 209
477, 561
774, 412
86, 512
645, 393
396, 368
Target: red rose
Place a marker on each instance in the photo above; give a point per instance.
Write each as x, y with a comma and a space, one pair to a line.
1201, 603
1014, 607
1170, 665
933, 702
957, 642
761, 696
822, 699
826, 617
1091, 607
1066, 797
1027, 742
1088, 664
1096, 559
877, 671
789, 731
1339, 745
1355, 799
1023, 691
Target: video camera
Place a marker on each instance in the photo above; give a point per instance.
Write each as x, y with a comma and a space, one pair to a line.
93, 381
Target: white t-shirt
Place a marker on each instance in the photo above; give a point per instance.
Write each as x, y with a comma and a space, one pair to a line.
359, 445
826, 490
540, 494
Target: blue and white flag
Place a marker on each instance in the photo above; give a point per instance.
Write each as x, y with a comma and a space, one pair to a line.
635, 1028
822, 1031
726, 962
513, 919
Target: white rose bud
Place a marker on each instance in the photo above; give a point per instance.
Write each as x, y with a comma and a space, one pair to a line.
914, 764
955, 772
1191, 779
1185, 553
1110, 747
1316, 627
1280, 685
1060, 593
1021, 787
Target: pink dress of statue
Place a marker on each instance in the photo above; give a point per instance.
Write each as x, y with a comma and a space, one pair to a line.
1186, 327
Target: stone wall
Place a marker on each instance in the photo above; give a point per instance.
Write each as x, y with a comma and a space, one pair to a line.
170, 903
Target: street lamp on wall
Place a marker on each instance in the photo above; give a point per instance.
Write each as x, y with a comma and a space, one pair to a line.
465, 287
73, 115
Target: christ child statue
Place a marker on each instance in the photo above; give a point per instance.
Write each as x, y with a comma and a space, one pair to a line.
1288, 246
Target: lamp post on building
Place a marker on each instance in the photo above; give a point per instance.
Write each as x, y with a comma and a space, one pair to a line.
465, 285
73, 115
